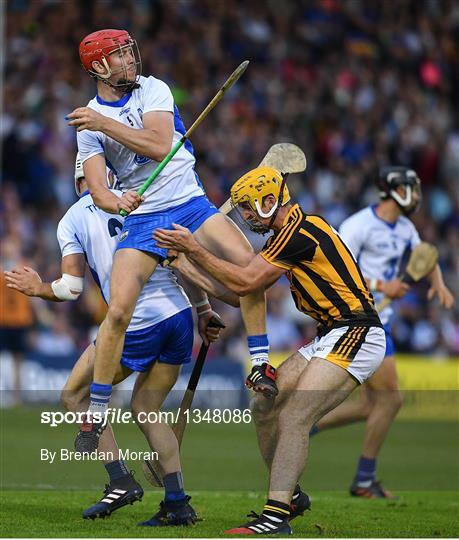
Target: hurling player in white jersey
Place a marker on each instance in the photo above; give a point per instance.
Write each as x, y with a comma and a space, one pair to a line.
158, 341
131, 126
378, 237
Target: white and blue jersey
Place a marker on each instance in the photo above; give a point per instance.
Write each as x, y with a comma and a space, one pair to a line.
161, 326
176, 196
378, 246
87, 229
178, 182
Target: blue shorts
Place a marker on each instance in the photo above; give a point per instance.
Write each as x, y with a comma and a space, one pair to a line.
390, 347
138, 229
170, 342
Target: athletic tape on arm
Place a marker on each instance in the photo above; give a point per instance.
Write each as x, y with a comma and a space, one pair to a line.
68, 287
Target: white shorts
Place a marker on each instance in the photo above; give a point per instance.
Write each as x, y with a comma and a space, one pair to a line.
359, 350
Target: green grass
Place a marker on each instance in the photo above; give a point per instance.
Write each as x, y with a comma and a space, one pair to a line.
334, 514
225, 476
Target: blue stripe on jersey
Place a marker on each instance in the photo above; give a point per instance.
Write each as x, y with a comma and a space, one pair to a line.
122, 101
110, 166
107, 161
180, 128
96, 279
77, 239
93, 272
198, 180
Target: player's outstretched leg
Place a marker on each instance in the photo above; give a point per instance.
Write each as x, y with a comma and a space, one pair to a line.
320, 387
386, 402
149, 393
130, 271
266, 417
122, 489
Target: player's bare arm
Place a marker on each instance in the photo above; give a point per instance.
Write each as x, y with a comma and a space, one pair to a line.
153, 141
203, 280
27, 280
96, 178
239, 279
395, 288
204, 311
439, 289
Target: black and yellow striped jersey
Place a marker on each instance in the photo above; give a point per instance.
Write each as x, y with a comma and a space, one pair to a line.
325, 280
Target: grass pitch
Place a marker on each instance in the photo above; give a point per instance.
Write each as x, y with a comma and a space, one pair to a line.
225, 476
334, 514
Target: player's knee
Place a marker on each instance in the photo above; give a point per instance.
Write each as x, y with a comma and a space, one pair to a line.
263, 409
118, 317
390, 399
141, 412
71, 400
136, 408
293, 418
67, 400
397, 400
365, 409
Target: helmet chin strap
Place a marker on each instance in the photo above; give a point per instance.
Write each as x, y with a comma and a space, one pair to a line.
126, 87
268, 214
404, 202
279, 201
108, 68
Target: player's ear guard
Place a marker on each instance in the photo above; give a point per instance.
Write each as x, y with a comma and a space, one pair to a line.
68, 287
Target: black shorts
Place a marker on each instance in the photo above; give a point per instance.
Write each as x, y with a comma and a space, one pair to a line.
13, 339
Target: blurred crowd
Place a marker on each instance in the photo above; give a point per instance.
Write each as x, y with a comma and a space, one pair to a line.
356, 84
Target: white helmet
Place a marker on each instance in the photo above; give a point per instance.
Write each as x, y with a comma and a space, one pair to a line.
79, 173
112, 181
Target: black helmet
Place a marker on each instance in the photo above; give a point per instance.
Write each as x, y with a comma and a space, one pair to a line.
390, 178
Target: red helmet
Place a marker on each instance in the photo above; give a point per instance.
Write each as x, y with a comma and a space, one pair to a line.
99, 45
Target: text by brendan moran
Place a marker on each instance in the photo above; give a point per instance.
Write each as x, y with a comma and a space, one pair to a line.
64, 454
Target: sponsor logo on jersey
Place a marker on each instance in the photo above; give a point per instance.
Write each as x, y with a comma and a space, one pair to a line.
123, 235
125, 110
141, 160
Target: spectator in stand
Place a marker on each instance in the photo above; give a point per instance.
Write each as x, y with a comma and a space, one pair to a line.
355, 84
16, 316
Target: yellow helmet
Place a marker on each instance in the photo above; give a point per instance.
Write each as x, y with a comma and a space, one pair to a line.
255, 185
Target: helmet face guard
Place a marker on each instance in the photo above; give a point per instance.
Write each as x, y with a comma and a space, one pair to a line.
391, 178
253, 223
249, 192
112, 181
79, 174
99, 46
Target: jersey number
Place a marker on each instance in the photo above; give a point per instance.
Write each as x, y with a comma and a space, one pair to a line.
391, 269
114, 227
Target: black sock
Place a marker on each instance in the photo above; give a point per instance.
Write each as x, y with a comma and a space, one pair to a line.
173, 487
276, 509
116, 469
